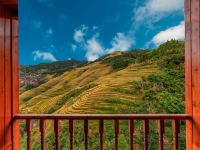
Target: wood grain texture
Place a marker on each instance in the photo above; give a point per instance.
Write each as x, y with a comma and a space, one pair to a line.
195, 22
2, 78
6, 47
188, 73
8, 116
15, 83
8, 2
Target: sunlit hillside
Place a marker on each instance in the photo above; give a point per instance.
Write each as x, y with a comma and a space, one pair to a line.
94, 88
137, 81
104, 86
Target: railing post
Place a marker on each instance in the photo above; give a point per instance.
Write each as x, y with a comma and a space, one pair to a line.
9, 88
146, 132
131, 132
176, 130
28, 131
86, 133
101, 130
56, 131
42, 124
71, 130
116, 133
161, 129
192, 72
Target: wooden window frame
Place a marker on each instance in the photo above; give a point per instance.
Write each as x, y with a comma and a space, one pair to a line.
9, 103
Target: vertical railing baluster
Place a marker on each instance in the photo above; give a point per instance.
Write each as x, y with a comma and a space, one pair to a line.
101, 130
176, 130
56, 131
146, 132
86, 133
161, 129
28, 131
116, 133
42, 134
131, 132
71, 130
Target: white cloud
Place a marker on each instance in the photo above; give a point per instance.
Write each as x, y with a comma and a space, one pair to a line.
121, 42
154, 10
93, 46
74, 47
94, 49
37, 24
80, 33
46, 56
176, 32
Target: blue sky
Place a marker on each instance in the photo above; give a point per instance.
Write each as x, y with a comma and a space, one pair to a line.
51, 30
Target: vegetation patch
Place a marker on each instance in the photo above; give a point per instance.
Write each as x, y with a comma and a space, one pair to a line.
120, 62
164, 92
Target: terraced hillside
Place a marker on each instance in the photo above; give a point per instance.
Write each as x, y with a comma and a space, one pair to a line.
137, 81
112, 84
85, 90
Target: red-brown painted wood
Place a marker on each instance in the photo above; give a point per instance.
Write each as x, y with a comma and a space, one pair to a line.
8, 2
11, 6
131, 132
15, 83
146, 132
2, 77
101, 130
161, 132
176, 130
8, 115
56, 131
195, 22
116, 124
188, 73
104, 116
7, 46
28, 131
86, 133
71, 132
42, 123
56, 118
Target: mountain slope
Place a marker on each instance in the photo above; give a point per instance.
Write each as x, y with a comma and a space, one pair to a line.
136, 81
87, 89
112, 84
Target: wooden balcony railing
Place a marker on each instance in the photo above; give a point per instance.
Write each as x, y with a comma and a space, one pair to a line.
161, 118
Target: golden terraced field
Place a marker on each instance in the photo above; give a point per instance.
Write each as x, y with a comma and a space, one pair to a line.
104, 94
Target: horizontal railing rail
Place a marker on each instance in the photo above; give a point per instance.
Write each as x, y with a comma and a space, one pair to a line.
161, 118
104, 116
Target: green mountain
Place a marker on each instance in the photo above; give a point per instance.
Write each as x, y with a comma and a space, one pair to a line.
136, 81
116, 83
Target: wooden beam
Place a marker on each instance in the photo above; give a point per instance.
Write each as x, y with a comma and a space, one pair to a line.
2, 78
188, 73
15, 83
195, 22
8, 2
192, 72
